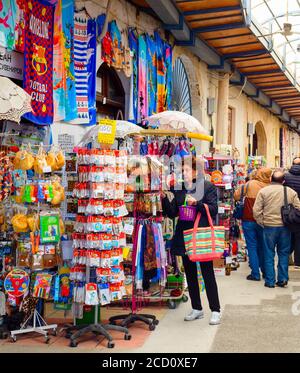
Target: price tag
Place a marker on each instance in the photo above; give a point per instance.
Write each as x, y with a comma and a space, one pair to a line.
47, 169
228, 260
107, 131
228, 186
221, 210
128, 229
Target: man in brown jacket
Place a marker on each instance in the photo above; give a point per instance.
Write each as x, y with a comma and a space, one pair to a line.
267, 213
252, 231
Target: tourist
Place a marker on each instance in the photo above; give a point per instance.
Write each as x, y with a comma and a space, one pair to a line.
196, 191
292, 180
252, 231
267, 213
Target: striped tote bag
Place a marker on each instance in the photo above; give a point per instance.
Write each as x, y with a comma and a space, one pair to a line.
204, 244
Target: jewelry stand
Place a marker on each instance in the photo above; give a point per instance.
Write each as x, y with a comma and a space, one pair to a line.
39, 326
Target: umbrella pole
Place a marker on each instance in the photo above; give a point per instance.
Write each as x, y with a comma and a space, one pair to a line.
174, 133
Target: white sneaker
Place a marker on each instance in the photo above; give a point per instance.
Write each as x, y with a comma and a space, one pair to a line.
215, 318
195, 314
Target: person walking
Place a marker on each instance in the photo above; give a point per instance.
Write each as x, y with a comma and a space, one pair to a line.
292, 180
267, 213
252, 231
195, 192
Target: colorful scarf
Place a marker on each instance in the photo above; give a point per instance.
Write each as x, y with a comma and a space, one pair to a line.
139, 263
91, 66
133, 45
142, 81
59, 75
152, 74
8, 16
20, 26
38, 60
81, 69
68, 41
169, 73
161, 74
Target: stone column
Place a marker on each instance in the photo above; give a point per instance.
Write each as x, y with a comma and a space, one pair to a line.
222, 110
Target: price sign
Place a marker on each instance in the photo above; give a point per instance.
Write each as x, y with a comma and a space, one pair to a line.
107, 131
221, 210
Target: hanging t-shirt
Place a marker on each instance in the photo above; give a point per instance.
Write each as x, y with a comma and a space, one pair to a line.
142, 81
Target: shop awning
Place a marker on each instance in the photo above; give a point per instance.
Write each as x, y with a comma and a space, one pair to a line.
222, 33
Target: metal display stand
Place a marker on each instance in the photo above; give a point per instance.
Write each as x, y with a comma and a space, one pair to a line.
39, 326
95, 328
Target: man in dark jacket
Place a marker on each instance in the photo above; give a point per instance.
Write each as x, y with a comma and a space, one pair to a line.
292, 180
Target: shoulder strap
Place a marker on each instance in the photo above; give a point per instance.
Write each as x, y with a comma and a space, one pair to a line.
285, 196
242, 192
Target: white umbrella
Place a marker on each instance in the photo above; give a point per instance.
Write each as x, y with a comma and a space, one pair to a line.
176, 120
14, 101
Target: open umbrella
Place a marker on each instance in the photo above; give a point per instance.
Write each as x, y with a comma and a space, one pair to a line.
176, 120
14, 101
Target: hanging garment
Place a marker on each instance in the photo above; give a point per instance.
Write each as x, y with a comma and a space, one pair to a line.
117, 53
20, 26
151, 75
163, 256
100, 23
38, 60
81, 68
169, 72
91, 67
8, 17
59, 75
142, 80
68, 50
161, 73
139, 263
150, 259
133, 45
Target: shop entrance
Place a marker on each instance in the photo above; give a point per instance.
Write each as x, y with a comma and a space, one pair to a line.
259, 145
110, 94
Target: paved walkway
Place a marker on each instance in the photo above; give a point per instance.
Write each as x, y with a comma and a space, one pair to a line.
261, 315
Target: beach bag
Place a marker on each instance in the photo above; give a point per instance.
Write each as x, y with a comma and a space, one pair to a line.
204, 244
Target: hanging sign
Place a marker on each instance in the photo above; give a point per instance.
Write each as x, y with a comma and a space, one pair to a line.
11, 64
38, 60
107, 131
16, 283
49, 228
66, 142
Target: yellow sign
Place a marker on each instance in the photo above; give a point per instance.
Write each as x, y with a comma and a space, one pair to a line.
107, 131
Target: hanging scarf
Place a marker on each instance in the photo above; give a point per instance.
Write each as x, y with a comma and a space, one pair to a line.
68, 49
151, 74
169, 72
59, 74
8, 17
100, 23
150, 249
20, 26
133, 45
139, 263
142, 80
163, 256
38, 60
81, 67
91, 67
161, 73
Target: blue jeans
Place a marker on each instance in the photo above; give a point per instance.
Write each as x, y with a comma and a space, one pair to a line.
279, 237
254, 240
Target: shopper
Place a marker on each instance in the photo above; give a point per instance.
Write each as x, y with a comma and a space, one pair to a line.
196, 191
252, 231
292, 180
267, 213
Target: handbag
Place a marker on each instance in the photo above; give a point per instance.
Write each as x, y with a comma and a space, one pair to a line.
290, 215
239, 206
204, 244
